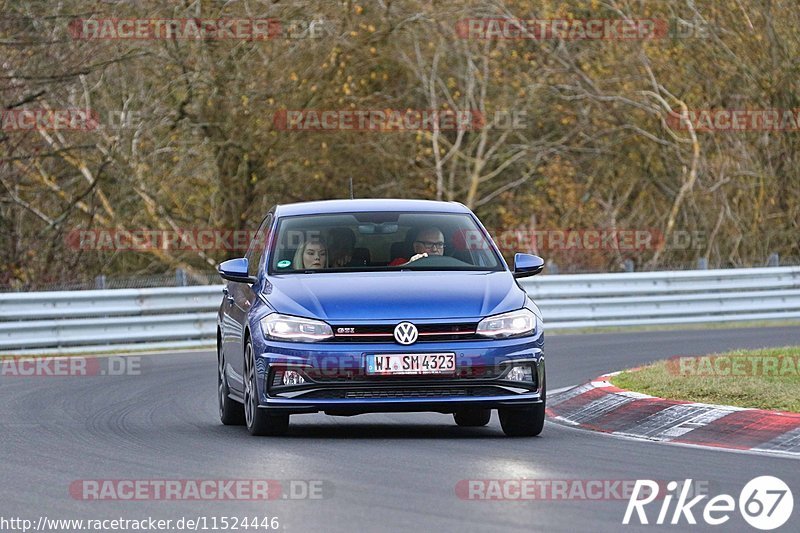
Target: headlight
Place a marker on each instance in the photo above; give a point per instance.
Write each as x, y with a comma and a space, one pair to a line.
292, 328
513, 324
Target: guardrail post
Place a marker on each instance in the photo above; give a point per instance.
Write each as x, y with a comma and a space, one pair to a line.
180, 278
628, 265
100, 282
773, 260
702, 263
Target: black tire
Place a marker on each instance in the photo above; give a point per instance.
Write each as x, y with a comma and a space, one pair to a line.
231, 412
258, 421
473, 417
527, 422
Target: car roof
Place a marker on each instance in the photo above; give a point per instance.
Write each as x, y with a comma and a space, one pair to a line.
367, 205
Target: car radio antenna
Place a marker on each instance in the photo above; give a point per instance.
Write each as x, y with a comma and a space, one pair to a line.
351, 187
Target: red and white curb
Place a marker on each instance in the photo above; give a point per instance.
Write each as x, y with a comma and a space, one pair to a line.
600, 406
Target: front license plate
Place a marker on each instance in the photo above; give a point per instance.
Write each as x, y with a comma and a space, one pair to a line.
417, 363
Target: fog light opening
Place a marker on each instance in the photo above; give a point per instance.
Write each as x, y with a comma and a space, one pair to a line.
520, 373
292, 377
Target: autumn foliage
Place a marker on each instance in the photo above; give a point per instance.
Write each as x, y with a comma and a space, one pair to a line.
575, 133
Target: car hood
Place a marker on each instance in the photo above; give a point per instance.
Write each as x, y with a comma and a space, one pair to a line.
374, 296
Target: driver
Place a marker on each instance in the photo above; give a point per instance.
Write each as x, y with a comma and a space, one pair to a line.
342, 245
430, 241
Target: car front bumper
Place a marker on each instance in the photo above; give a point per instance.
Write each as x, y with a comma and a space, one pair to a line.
339, 385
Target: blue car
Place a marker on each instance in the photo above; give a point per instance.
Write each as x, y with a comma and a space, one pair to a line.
363, 306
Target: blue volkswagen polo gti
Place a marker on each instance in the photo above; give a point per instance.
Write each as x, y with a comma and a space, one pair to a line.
362, 306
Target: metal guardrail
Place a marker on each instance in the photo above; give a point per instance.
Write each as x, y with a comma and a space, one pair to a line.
664, 298
185, 317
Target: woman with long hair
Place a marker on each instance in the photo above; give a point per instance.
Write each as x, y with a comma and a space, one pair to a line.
311, 255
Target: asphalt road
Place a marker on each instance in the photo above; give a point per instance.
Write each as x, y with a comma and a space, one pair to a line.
393, 472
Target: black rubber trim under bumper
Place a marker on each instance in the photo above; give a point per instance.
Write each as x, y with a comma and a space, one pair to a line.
414, 405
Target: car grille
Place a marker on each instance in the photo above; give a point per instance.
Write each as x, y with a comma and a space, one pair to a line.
393, 392
360, 375
385, 333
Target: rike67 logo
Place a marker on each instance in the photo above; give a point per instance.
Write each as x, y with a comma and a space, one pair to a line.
765, 503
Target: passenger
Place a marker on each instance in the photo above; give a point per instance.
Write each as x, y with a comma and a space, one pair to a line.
429, 241
312, 255
343, 243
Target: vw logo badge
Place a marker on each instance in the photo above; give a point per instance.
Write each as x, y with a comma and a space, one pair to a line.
405, 333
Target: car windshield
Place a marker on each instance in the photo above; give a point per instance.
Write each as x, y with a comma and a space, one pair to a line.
381, 241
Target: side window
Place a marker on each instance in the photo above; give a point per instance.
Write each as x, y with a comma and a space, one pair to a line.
257, 246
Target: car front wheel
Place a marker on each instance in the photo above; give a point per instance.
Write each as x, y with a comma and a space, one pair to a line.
259, 422
527, 422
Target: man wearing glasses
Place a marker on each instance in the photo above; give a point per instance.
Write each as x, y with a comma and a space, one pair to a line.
429, 241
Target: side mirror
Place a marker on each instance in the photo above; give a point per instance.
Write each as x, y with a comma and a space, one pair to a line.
236, 270
527, 265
